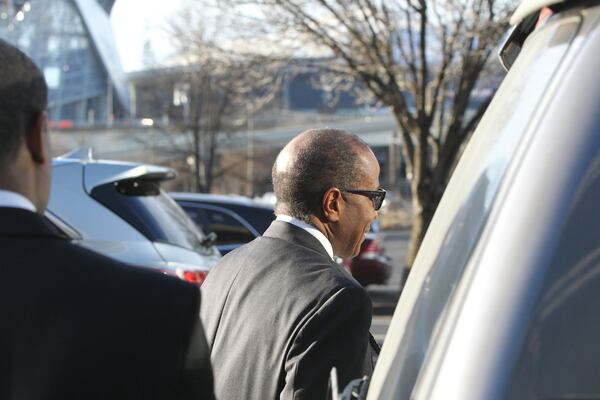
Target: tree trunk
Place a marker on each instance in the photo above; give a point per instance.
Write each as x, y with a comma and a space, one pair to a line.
197, 159
424, 205
420, 224
197, 174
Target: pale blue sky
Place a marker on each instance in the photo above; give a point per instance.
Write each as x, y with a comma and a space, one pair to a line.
135, 21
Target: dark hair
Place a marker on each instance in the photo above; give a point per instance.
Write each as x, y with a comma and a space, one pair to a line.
23, 96
329, 158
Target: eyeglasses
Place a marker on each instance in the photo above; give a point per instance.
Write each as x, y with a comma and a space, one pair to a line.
376, 196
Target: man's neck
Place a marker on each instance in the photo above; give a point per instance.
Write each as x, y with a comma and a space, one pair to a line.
310, 229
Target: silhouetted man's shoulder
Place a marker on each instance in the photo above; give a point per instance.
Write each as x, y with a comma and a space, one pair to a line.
93, 327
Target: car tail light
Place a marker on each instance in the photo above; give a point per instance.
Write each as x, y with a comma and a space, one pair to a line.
187, 272
195, 277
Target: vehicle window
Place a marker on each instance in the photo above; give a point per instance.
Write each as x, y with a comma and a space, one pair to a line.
468, 201
144, 205
260, 218
560, 357
228, 229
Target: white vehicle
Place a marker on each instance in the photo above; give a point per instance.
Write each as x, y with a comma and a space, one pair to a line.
504, 298
120, 210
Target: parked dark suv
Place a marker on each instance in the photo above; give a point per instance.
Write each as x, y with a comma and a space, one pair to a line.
235, 219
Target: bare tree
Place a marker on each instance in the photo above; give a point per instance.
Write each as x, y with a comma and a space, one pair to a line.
217, 90
423, 59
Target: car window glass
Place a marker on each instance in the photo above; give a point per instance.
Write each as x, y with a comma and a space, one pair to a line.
148, 209
468, 201
260, 218
560, 357
228, 229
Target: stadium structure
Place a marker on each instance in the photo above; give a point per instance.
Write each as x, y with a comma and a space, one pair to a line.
73, 43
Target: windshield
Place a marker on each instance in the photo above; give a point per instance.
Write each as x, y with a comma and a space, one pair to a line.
467, 203
144, 205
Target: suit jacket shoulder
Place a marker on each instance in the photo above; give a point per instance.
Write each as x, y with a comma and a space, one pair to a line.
281, 305
82, 325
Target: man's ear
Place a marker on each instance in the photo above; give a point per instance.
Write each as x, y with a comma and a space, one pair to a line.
35, 140
332, 204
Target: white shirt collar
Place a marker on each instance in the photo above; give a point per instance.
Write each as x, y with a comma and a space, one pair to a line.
310, 229
15, 200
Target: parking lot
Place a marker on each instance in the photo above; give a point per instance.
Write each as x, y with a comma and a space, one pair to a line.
385, 297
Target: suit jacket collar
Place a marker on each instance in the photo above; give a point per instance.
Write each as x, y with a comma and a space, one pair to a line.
291, 233
310, 229
20, 222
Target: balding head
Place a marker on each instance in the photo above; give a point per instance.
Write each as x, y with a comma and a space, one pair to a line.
310, 164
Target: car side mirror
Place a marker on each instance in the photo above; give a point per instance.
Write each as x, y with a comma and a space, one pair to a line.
209, 240
511, 47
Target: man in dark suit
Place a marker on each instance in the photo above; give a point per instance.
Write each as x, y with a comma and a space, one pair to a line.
281, 312
75, 324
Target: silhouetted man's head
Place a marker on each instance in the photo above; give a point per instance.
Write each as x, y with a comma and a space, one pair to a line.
24, 152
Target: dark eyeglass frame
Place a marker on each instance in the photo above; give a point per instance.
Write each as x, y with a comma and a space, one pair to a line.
376, 196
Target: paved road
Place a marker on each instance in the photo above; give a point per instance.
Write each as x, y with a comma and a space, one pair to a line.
396, 246
379, 327
385, 297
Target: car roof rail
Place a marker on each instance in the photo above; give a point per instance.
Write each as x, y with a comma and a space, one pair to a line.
529, 7
528, 17
81, 153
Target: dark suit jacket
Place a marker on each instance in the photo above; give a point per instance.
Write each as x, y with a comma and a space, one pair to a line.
279, 313
77, 325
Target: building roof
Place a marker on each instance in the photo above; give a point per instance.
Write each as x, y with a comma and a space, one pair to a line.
97, 22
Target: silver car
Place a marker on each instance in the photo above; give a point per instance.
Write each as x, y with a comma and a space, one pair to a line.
503, 298
119, 209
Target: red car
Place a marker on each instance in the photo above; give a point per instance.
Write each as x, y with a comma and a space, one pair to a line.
370, 266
